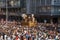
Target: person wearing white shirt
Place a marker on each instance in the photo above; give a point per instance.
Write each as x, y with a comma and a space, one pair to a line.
1, 37
5, 36
9, 38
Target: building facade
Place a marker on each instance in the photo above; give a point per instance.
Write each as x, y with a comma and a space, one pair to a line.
11, 9
43, 9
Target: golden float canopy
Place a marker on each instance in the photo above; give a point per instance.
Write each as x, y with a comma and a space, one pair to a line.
29, 21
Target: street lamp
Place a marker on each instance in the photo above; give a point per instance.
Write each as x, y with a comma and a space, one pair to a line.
6, 12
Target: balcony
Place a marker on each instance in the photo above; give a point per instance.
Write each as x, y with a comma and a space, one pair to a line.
10, 13
44, 13
10, 4
49, 13
56, 13
13, 4
55, 2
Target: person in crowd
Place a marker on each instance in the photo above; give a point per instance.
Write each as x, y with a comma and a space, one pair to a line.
41, 32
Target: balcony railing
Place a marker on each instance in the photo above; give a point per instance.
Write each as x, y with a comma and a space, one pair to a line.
44, 13
56, 13
49, 13
10, 13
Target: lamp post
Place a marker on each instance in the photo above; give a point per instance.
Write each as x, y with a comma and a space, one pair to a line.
6, 13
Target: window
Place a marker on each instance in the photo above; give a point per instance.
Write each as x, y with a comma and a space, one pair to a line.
22, 3
42, 2
14, 3
43, 9
48, 9
48, 2
59, 10
2, 3
57, 2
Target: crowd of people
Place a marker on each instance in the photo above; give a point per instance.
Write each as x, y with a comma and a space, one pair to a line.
15, 31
